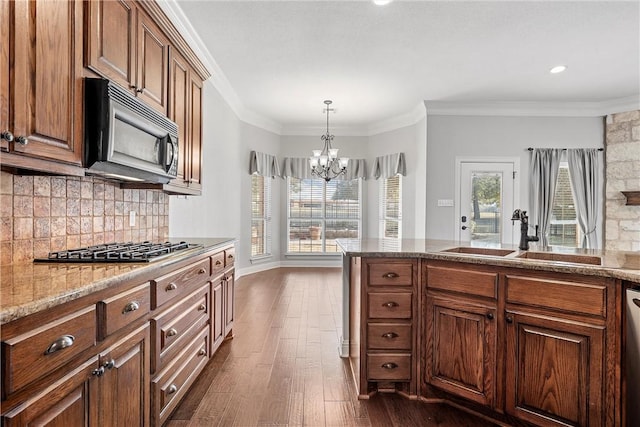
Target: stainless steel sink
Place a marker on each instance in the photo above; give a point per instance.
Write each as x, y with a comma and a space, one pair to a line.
560, 257
480, 251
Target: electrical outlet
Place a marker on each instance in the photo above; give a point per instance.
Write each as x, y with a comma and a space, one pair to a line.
132, 218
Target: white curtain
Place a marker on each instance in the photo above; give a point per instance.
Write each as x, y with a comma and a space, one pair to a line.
263, 164
298, 167
545, 163
584, 165
389, 165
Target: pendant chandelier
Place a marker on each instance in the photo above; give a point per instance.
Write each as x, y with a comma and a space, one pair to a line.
325, 163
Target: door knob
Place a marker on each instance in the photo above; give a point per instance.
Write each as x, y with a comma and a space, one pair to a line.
464, 227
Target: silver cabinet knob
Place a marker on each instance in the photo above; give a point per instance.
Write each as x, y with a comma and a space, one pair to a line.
22, 140
7, 136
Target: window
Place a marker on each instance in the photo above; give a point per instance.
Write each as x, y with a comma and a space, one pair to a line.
260, 216
320, 212
564, 229
391, 207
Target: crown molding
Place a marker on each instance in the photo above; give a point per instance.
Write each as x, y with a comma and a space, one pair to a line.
532, 109
319, 130
408, 119
176, 15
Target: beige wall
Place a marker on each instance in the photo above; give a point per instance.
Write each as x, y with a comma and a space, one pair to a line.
622, 229
39, 214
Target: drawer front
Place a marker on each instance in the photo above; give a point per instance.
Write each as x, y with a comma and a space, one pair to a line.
390, 305
388, 336
391, 273
229, 257
463, 280
38, 352
217, 263
179, 324
170, 386
389, 367
571, 297
179, 283
122, 309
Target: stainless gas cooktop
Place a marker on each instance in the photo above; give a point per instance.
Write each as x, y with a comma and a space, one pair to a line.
121, 252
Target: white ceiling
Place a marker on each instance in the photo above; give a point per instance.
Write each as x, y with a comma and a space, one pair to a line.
283, 58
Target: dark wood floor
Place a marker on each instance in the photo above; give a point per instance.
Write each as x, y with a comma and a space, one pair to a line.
283, 368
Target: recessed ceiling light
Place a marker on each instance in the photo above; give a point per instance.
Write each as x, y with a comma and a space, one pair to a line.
558, 69
381, 2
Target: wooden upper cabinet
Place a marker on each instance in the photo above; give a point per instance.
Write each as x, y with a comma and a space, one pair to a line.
185, 108
153, 61
126, 46
4, 75
111, 40
46, 84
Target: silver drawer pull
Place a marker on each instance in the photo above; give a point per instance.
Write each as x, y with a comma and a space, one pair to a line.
390, 275
202, 307
62, 342
172, 389
389, 365
202, 352
172, 332
218, 262
202, 271
230, 256
390, 304
390, 335
132, 306
171, 287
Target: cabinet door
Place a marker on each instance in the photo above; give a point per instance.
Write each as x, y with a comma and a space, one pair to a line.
124, 386
47, 79
111, 40
217, 316
66, 403
229, 291
153, 63
179, 112
461, 348
4, 73
195, 132
555, 371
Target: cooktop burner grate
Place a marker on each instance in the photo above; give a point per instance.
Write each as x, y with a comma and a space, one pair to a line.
120, 252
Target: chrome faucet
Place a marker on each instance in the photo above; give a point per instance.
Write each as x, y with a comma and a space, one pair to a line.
521, 216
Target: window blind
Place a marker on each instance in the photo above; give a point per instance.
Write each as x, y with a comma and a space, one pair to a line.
260, 216
390, 207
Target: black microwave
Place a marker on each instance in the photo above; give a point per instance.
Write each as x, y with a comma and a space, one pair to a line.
125, 139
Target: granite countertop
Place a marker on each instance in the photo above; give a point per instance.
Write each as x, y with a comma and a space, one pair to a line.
616, 264
28, 287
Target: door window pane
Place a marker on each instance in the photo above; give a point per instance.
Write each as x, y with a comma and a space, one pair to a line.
486, 195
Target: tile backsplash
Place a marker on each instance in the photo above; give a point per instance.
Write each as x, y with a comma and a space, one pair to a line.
41, 214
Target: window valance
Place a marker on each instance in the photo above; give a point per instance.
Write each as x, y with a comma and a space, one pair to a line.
389, 165
298, 167
263, 164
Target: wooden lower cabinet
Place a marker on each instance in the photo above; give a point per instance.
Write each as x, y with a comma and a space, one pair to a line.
554, 370
217, 324
229, 297
461, 348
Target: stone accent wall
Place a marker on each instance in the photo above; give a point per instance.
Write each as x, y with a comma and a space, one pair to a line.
42, 214
622, 228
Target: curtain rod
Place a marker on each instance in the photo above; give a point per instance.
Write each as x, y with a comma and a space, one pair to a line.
563, 149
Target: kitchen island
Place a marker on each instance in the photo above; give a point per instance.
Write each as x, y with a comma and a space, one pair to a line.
534, 336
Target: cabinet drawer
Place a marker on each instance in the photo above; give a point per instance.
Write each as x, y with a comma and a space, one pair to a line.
392, 305
178, 325
38, 352
179, 283
171, 385
555, 294
120, 310
462, 280
217, 263
229, 257
389, 367
392, 336
391, 273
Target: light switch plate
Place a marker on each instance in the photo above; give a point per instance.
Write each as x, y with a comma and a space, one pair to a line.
445, 202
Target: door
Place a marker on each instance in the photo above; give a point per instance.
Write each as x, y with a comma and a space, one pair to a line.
229, 289
153, 64
461, 349
486, 202
554, 371
217, 316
